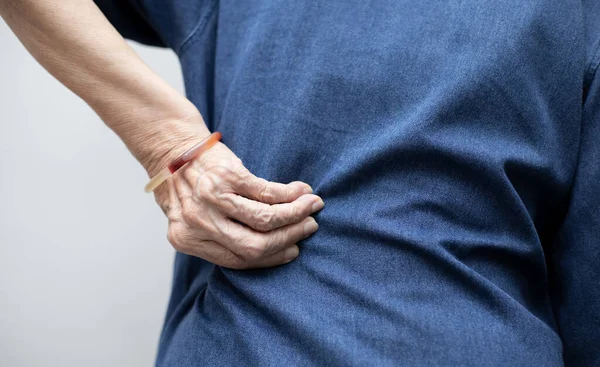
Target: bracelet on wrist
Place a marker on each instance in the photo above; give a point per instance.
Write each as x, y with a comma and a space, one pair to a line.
180, 161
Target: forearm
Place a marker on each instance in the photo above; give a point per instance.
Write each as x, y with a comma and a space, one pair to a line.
73, 40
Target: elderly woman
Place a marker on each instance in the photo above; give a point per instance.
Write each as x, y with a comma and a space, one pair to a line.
455, 143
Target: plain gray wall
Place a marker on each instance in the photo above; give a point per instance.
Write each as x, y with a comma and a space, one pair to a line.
85, 267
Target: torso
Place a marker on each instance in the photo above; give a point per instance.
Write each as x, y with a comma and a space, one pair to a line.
443, 139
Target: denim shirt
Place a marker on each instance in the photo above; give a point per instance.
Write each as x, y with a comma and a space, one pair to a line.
456, 145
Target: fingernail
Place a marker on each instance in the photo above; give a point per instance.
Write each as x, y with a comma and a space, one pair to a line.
291, 253
318, 205
310, 227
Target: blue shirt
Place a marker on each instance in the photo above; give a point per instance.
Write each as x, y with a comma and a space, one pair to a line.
456, 145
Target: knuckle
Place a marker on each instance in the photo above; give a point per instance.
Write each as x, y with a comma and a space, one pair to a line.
264, 220
244, 211
280, 238
254, 251
265, 193
295, 213
288, 192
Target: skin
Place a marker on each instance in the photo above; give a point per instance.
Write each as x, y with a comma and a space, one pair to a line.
217, 209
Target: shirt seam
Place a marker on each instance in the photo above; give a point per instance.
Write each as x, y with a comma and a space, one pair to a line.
593, 65
197, 30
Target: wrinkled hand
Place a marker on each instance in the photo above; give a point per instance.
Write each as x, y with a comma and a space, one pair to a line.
219, 211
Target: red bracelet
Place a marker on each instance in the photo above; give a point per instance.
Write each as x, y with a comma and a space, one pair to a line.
189, 155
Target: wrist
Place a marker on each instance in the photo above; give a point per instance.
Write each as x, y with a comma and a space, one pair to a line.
170, 145
156, 129
157, 142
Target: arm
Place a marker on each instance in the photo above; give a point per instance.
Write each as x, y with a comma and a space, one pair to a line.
74, 41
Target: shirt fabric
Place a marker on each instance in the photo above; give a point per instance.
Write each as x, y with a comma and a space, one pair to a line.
456, 145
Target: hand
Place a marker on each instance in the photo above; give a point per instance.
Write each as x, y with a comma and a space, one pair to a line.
221, 212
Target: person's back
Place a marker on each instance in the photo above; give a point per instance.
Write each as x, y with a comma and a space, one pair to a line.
445, 138
449, 142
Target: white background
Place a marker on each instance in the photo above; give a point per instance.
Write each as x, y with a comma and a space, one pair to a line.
85, 267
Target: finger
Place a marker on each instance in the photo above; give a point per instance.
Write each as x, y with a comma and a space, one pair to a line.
217, 254
205, 249
279, 258
228, 259
270, 192
280, 238
253, 245
264, 217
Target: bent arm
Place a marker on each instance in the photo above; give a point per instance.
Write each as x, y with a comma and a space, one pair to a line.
75, 42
